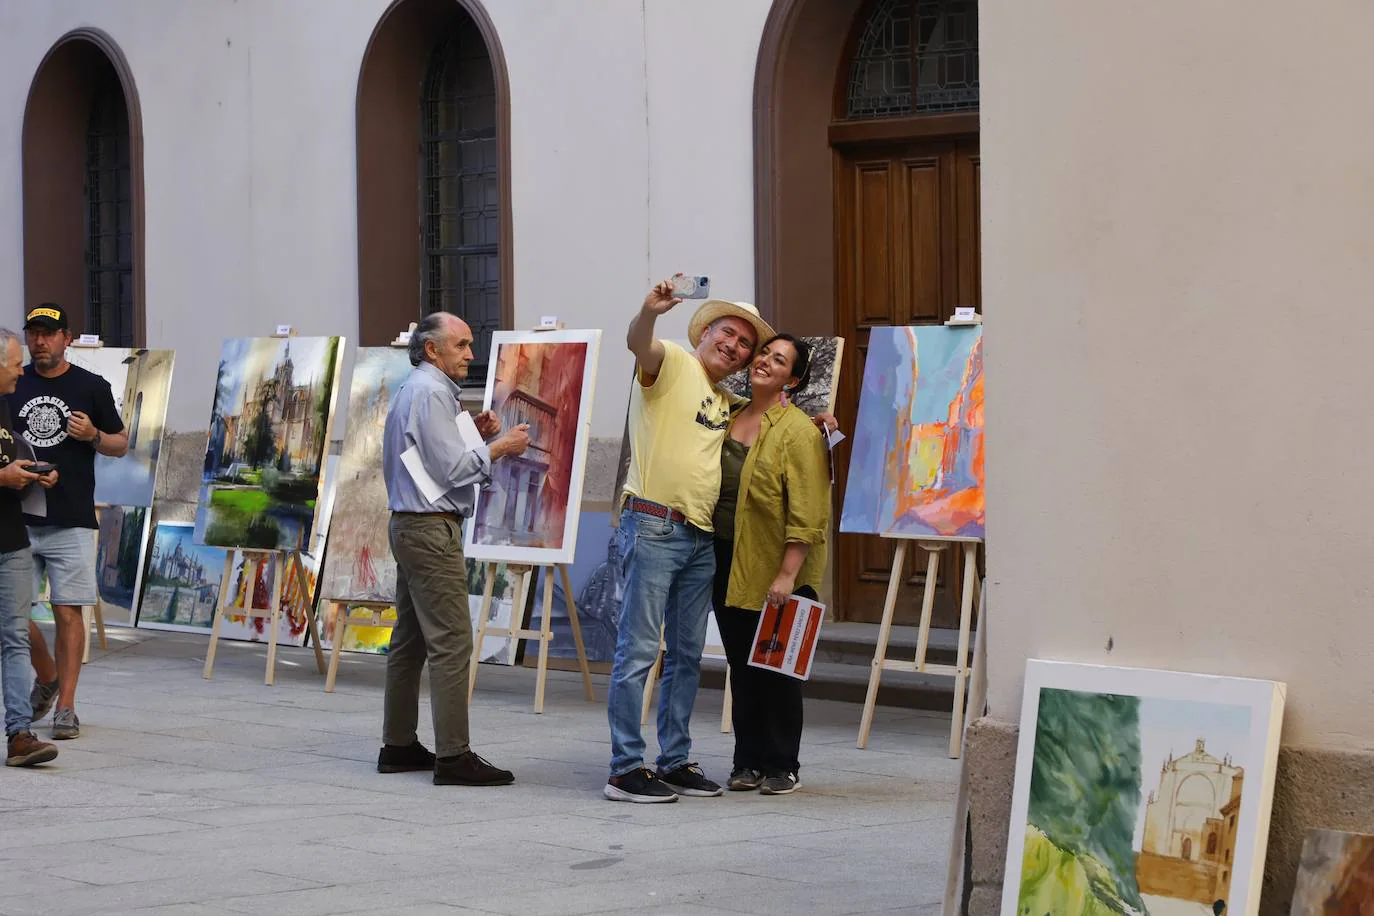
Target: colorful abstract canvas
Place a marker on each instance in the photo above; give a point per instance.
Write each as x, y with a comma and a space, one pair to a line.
1335, 875
1141, 791
274, 402
529, 513
819, 394
140, 381
375, 640
358, 564
121, 544
916, 468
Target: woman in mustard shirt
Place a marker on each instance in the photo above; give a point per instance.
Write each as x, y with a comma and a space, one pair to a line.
770, 524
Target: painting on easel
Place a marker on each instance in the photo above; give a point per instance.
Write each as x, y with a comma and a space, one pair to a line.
140, 381
358, 564
274, 402
182, 588
1141, 791
529, 513
376, 640
119, 552
916, 469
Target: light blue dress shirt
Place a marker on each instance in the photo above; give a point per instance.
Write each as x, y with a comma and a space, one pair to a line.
423, 414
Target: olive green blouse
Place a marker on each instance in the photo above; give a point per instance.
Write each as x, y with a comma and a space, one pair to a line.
784, 496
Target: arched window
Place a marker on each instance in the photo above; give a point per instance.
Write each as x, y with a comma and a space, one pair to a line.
915, 57
1187, 847
460, 193
1211, 844
109, 220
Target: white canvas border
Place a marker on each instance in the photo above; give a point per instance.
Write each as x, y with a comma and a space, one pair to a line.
545, 556
1265, 699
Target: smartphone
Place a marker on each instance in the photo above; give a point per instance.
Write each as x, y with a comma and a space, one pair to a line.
692, 287
40, 468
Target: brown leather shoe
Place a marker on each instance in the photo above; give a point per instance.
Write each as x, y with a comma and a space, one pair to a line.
469, 770
25, 750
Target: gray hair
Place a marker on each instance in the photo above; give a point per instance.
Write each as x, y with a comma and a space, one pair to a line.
431, 327
6, 335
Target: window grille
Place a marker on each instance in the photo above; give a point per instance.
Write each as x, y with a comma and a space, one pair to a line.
460, 189
109, 220
916, 57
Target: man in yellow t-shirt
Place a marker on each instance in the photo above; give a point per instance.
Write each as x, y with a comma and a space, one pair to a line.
678, 417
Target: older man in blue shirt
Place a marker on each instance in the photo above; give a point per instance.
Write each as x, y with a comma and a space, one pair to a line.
432, 620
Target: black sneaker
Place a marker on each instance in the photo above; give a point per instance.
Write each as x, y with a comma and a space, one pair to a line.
639, 786
744, 779
395, 759
780, 784
689, 780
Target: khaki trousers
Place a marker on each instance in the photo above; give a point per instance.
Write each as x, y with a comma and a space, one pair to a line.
432, 624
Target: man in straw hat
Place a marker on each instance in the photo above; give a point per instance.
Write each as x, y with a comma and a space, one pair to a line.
678, 418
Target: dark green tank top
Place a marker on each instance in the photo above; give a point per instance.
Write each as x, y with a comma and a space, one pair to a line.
732, 455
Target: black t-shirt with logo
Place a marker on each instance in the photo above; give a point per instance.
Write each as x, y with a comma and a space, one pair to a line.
13, 536
40, 408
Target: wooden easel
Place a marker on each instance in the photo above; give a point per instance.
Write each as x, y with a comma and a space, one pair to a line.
977, 702
544, 635
727, 706
351, 614
289, 564
959, 670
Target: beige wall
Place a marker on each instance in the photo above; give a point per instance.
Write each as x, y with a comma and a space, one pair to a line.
1178, 257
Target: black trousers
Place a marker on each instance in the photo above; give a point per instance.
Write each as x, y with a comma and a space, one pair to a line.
767, 707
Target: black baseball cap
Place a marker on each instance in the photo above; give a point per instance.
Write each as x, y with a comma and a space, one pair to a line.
49, 315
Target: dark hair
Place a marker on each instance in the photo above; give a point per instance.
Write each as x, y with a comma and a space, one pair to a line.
801, 366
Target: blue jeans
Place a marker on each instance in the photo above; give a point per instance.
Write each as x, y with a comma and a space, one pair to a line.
668, 567
16, 678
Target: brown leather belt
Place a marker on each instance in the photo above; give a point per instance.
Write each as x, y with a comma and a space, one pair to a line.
449, 515
643, 505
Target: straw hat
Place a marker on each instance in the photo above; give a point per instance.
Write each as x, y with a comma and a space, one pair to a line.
712, 309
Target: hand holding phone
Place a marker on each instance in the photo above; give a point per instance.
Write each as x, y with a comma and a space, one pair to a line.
40, 468
685, 287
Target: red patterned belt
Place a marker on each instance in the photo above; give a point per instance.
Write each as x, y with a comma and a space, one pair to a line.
648, 508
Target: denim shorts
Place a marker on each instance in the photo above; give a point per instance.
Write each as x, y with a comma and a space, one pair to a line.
66, 557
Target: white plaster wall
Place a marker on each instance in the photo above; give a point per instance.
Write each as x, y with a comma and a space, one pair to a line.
249, 161
1178, 230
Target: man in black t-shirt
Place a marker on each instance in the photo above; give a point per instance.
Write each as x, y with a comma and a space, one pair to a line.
67, 415
16, 571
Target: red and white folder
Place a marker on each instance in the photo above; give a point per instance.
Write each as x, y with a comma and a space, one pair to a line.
786, 638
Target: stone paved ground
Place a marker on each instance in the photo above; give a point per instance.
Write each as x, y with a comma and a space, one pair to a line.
226, 796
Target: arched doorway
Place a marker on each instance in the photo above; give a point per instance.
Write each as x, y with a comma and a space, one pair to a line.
434, 206
83, 189
867, 202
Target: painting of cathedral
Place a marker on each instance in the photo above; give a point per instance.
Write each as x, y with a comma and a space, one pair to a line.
1141, 791
274, 402
530, 511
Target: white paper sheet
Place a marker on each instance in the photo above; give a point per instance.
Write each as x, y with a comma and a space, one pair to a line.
430, 490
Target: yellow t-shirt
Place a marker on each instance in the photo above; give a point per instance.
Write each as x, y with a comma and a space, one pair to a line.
677, 425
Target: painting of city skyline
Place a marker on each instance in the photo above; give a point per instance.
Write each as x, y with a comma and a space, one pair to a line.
120, 546
274, 402
529, 513
1141, 791
916, 468
182, 587
358, 564
141, 382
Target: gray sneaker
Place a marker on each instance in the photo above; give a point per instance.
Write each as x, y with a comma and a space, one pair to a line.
41, 698
65, 725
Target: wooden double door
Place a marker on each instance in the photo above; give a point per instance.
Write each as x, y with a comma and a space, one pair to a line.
907, 253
